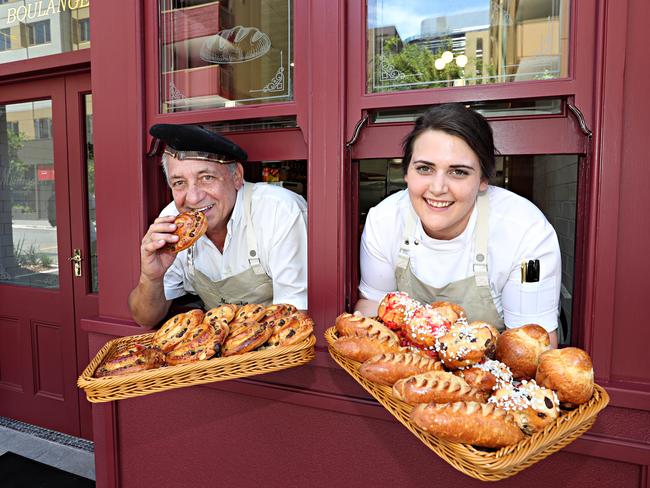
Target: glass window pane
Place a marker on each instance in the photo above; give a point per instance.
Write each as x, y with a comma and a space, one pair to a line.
443, 43
224, 53
549, 181
90, 189
28, 250
33, 29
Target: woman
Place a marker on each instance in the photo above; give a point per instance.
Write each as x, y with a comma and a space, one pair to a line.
451, 236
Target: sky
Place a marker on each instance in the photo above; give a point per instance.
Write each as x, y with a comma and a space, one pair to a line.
406, 15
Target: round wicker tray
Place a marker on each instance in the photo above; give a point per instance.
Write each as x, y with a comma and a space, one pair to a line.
482, 464
111, 388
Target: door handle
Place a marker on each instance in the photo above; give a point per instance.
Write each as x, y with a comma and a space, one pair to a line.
76, 261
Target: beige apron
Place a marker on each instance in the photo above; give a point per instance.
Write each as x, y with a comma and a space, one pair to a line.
250, 286
472, 293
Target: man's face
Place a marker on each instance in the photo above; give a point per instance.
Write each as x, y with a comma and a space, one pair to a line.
205, 185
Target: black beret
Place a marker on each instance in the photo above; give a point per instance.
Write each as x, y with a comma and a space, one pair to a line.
185, 137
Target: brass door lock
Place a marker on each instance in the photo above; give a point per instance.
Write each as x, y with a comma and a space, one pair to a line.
76, 260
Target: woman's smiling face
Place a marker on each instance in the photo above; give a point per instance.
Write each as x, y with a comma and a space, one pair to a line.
444, 178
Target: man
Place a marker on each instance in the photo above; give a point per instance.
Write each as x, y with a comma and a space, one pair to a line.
255, 248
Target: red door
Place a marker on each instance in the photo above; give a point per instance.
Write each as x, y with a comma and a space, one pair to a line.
46, 213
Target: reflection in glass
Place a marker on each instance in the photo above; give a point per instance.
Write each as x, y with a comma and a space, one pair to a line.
224, 53
549, 181
28, 250
90, 189
30, 29
291, 175
443, 43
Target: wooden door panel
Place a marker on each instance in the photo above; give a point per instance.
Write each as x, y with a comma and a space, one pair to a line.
39, 354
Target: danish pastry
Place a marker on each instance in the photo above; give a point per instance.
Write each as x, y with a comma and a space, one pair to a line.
277, 311
246, 338
176, 329
387, 368
294, 329
190, 226
479, 424
134, 361
249, 312
437, 387
222, 313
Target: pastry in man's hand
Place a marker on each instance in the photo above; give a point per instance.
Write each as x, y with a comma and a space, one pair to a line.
176, 329
190, 226
138, 360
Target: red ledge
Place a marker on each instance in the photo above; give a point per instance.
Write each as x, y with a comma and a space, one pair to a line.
46, 65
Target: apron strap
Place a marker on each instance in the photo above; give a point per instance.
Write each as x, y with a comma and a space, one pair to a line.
251, 241
481, 240
407, 236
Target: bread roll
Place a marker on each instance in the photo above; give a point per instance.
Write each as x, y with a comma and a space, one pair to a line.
569, 372
532, 406
520, 349
436, 387
348, 324
467, 344
479, 424
486, 376
363, 348
387, 368
396, 308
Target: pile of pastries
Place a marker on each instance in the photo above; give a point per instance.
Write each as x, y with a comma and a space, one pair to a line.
222, 331
466, 381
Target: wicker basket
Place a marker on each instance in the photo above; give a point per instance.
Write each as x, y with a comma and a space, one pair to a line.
482, 464
110, 388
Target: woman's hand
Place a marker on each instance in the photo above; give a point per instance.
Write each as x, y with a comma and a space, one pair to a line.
366, 307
